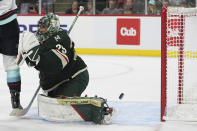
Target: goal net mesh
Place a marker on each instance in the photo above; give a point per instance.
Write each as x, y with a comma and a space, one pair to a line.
181, 64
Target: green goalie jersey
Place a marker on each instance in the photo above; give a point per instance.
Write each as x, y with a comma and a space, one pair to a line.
58, 60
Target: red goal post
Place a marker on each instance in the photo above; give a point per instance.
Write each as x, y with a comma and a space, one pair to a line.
179, 64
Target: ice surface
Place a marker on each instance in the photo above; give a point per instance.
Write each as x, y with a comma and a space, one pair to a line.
137, 77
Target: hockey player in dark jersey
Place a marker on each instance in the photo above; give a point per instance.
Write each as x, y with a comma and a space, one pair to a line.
9, 39
62, 72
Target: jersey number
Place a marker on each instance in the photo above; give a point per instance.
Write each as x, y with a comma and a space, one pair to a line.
61, 48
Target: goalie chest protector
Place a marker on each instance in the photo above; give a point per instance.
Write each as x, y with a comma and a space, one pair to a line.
71, 109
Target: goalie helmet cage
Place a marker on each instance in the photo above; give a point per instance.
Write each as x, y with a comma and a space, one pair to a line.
179, 64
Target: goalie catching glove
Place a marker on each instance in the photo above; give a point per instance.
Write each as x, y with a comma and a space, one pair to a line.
28, 49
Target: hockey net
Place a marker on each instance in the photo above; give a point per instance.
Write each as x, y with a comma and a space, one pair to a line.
179, 64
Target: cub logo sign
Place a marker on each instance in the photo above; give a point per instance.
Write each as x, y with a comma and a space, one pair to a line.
128, 31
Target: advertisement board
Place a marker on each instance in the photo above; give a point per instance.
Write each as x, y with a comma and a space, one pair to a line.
131, 34
128, 31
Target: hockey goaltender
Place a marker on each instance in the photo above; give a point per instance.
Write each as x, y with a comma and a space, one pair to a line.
63, 75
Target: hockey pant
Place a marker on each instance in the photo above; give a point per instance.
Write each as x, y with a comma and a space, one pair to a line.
73, 87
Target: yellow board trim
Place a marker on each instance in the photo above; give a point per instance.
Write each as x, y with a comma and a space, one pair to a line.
187, 54
132, 52
127, 52
79, 102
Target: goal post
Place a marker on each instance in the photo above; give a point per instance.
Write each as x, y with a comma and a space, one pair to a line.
163, 60
179, 64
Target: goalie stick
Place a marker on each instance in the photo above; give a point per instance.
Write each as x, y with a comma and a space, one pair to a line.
81, 8
22, 112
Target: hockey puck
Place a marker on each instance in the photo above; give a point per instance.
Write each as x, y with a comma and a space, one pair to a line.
121, 96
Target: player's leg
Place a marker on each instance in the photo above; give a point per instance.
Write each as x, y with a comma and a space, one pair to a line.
13, 79
74, 87
9, 37
9, 48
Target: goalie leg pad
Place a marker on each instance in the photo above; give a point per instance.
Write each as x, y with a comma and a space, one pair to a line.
72, 109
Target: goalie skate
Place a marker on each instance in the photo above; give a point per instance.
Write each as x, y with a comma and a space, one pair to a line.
110, 114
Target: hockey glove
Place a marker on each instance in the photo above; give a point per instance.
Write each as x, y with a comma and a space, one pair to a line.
28, 47
33, 57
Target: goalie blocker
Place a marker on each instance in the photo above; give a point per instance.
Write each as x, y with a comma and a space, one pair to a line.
74, 109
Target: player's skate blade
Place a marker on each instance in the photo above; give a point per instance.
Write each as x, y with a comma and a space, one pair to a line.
18, 112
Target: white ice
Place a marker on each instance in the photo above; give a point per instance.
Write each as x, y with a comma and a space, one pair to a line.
139, 110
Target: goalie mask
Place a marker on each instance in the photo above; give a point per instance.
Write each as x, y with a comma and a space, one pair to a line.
50, 23
28, 49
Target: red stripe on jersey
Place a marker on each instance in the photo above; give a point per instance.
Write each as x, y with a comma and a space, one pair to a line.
8, 14
62, 55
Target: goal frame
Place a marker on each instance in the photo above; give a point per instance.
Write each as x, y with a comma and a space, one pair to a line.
163, 61
180, 57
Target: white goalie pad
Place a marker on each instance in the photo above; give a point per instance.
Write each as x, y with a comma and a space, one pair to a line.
27, 41
51, 109
71, 109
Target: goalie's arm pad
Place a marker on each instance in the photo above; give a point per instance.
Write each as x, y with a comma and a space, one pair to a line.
52, 62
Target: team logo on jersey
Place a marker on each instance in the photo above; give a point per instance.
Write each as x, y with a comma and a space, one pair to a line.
128, 31
57, 38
